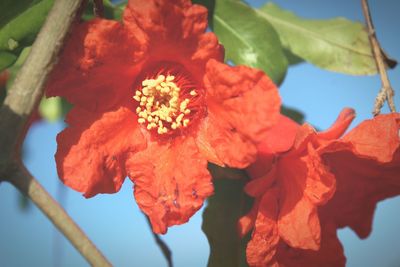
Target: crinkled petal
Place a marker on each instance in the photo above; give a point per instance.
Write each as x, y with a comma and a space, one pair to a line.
208, 47
167, 19
298, 219
330, 253
341, 124
378, 138
299, 226
361, 184
247, 99
175, 32
261, 249
171, 181
97, 52
247, 222
278, 139
221, 144
258, 186
366, 168
320, 183
92, 150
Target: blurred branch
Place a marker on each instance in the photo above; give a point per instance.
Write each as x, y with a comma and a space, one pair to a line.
21, 100
386, 93
22, 180
161, 244
98, 8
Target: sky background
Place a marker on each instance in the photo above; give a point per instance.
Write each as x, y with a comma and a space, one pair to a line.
115, 223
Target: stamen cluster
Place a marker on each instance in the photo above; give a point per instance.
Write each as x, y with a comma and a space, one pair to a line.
160, 105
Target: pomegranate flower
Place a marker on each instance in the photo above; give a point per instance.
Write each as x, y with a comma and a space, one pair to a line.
154, 101
346, 177
290, 182
366, 165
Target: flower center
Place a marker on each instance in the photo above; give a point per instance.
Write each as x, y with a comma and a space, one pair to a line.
161, 105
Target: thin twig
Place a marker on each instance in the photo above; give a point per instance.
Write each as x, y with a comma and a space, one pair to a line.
162, 245
98, 8
22, 180
386, 93
21, 100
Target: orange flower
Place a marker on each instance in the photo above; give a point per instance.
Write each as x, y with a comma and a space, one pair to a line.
364, 164
294, 183
153, 101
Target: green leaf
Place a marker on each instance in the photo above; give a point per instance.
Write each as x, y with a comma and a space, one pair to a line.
249, 39
6, 59
19, 24
292, 58
50, 108
220, 218
336, 44
292, 113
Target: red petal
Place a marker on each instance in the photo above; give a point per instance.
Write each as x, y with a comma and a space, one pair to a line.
171, 182
262, 247
246, 98
299, 224
258, 186
91, 152
281, 136
305, 183
341, 124
247, 222
221, 144
166, 18
367, 170
361, 183
378, 138
329, 255
97, 66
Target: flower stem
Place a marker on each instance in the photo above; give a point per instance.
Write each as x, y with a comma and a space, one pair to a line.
386, 93
161, 244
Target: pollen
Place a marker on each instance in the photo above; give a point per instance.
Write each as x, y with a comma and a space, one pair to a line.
161, 105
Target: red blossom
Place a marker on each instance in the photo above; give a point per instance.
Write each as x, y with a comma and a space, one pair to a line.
364, 165
154, 101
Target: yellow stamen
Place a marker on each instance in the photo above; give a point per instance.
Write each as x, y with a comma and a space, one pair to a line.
162, 109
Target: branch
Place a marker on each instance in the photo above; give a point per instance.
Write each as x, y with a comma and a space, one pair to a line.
386, 93
22, 180
98, 8
21, 100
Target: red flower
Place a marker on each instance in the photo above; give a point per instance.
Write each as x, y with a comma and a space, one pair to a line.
290, 183
153, 101
364, 165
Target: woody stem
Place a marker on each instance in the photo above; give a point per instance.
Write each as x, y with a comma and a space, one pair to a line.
386, 93
21, 100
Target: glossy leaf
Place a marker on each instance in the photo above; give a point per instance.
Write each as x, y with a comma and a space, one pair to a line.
336, 44
220, 218
19, 24
249, 39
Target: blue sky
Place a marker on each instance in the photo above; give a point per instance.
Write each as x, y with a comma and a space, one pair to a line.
116, 225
